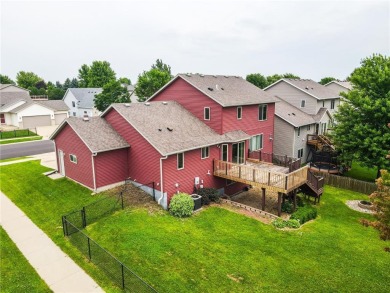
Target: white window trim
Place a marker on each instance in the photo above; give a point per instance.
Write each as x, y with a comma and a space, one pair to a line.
299, 131
332, 103
177, 161
304, 103
266, 112
208, 153
261, 142
239, 118
227, 152
299, 150
74, 161
204, 113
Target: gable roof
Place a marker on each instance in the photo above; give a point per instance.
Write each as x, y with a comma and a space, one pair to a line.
84, 96
321, 112
96, 133
345, 84
309, 87
9, 98
292, 115
225, 90
56, 105
181, 132
4, 86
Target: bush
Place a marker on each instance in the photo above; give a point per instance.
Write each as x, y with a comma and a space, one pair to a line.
280, 223
287, 207
181, 205
293, 223
304, 214
208, 194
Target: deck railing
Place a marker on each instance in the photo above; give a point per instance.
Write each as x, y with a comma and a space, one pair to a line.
291, 163
248, 174
316, 182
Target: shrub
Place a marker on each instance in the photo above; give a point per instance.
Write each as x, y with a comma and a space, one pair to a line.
181, 205
280, 223
293, 223
304, 214
208, 194
287, 207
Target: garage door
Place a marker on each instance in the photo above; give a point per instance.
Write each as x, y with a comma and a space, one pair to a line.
34, 121
59, 118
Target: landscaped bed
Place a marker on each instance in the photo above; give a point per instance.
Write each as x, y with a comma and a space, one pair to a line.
215, 250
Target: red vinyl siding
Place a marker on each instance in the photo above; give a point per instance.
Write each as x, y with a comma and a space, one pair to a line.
194, 101
194, 166
111, 167
143, 159
70, 143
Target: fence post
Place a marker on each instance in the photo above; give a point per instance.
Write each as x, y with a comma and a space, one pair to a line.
64, 225
154, 194
83, 218
123, 277
121, 195
89, 249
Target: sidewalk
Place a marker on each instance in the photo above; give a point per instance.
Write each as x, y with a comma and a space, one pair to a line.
59, 272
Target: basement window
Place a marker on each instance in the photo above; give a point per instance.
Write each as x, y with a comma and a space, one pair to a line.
73, 158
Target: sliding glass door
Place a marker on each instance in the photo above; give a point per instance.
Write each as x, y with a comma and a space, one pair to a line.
238, 152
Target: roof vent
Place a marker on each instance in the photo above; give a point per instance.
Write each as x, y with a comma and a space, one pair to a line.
85, 117
170, 129
159, 129
293, 114
127, 105
210, 89
307, 88
222, 88
165, 103
188, 74
226, 76
215, 76
201, 75
147, 104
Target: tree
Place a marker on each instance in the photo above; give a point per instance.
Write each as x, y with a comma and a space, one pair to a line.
4, 79
125, 80
361, 130
54, 92
257, 79
151, 81
74, 83
96, 75
326, 80
274, 78
41, 85
381, 201
113, 92
27, 79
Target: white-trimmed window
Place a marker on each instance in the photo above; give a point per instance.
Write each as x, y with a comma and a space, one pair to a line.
300, 153
73, 158
256, 142
262, 112
205, 152
239, 113
206, 113
303, 103
180, 161
332, 102
73, 104
299, 131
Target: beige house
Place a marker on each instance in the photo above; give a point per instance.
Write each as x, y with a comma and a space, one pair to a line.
339, 86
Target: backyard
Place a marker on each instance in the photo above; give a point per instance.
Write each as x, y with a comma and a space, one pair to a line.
215, 250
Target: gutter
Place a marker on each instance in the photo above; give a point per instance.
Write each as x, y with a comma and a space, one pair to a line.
161, 180
93, 170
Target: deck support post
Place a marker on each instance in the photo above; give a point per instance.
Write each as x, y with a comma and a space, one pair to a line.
280, 203
263, 199
294, 200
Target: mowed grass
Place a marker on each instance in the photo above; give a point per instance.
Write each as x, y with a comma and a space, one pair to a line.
361, 173
16, 133
219, 251
17, 140
17, 275
45, 201
13, 159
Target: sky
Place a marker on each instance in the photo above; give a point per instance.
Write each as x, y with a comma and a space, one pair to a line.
311, 39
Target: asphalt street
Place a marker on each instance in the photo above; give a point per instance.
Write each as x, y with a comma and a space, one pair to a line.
26, 149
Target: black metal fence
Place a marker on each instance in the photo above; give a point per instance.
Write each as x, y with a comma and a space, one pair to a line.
18, 133
74, 222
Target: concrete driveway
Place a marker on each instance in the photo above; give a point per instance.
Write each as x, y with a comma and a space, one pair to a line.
46, 131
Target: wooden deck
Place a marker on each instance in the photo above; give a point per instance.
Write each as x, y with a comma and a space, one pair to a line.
261, 177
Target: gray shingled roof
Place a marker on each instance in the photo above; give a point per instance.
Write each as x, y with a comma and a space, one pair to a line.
345, 84
292, 115
9, 98
4, 85
85, 96
321, 112
96, 133
56, 105
313, 88
228, 90
170, 128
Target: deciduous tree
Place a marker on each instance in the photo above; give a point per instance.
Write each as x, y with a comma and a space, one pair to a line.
97, 75
4, 79
257, 79
274, 78
27, 79
326, 80
361, 131
125, 80
113, 92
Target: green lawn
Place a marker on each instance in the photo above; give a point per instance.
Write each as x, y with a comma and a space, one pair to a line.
215, 250
17, 275
16, 140
44, 201
361, 173
220, 251
16, 133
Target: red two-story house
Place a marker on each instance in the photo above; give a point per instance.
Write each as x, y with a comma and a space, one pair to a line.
172, 139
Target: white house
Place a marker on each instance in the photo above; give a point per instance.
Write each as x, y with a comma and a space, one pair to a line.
81, 101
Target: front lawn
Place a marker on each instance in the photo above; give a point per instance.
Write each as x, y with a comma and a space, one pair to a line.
17, 275
219, 251
16, 133
24, 139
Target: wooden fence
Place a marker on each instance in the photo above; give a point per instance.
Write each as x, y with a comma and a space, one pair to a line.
348, 183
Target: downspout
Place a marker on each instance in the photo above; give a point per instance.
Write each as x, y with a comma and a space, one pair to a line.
161, 180
55, 149
93, 170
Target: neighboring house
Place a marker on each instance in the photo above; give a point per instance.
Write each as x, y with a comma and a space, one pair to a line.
19, 110
12, 88
339, 86
172, 139
309, 97
133, 95
81, 101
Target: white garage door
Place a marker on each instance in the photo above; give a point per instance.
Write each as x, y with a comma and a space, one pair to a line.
59, 118
34, 121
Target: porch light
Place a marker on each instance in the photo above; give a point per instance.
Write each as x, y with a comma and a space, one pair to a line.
270, 137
